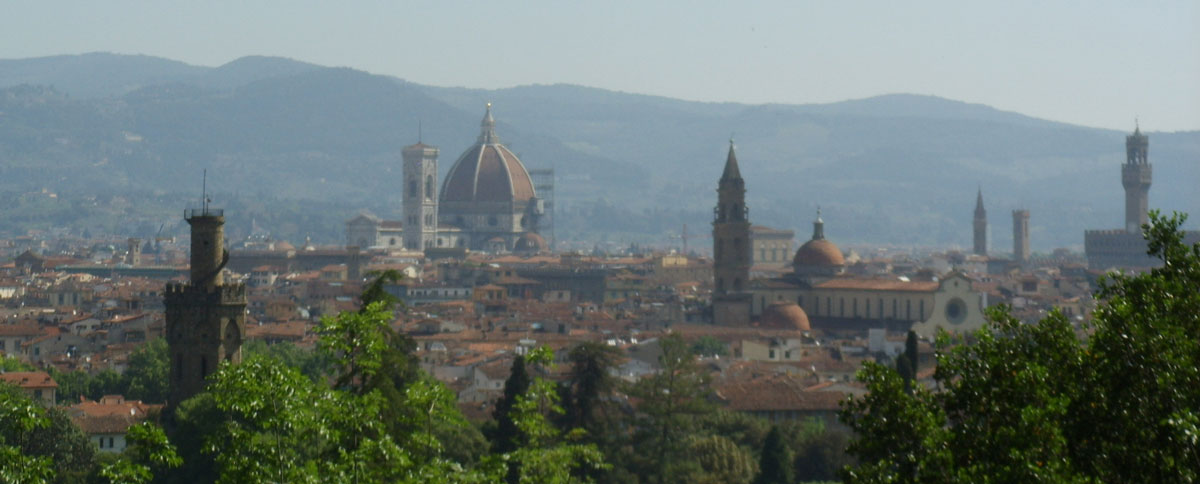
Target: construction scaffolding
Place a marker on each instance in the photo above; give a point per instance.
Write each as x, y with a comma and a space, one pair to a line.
543, 184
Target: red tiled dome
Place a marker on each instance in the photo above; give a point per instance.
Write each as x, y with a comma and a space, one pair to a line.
784, 315
530, 242
819, 252
488, 172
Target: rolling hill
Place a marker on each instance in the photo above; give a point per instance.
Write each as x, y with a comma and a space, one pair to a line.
300, 147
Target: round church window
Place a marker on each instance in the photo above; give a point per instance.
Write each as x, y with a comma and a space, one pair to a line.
956, 311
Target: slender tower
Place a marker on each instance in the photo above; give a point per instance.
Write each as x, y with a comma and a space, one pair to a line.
420, 196
980, 225
205, 317
1135, 177
1021, 235
731, 247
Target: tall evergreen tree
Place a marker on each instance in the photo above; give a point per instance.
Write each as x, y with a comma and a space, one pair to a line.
775, 465
507, 436
589, 383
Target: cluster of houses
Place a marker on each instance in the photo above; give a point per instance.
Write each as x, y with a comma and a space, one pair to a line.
470, 314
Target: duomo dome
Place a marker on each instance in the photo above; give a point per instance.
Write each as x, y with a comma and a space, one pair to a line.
488, 172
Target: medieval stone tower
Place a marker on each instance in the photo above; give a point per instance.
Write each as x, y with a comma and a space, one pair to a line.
1021, 235
134, 256
980, 225
1135, 177
420, 196
731, 247
205, 317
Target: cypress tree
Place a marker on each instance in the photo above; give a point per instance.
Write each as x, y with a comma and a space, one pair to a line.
775, 466
508, 436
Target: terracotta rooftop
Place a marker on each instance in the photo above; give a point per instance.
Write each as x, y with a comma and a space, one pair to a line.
29, 379
877, 284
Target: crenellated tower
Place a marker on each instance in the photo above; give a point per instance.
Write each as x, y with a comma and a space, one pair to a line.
1135, 177
980, 225
205, 317
420, 196
731, 247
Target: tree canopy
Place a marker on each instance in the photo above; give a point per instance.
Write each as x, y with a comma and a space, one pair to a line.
1116, 401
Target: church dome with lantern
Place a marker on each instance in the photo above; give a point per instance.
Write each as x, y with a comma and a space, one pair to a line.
488, 172
818, 257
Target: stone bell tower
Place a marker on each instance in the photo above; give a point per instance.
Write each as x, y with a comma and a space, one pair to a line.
731, 247
980, 225
1135, 177
205, 317
420, 196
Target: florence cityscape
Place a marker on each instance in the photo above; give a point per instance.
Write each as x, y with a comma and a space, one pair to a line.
536, 242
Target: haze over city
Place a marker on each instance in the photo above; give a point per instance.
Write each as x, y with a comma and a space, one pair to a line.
1098, 64
621, 243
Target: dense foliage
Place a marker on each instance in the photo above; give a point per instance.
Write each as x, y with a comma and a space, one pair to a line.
1041, 403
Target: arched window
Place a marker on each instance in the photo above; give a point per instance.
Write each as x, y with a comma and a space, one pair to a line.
922, 305
429, 187
412, 188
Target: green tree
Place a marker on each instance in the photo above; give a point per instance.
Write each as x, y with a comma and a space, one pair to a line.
18, 417
721, 461
146, 377
590, 382
775, 465
673, 402
64, 443
1141, 395
545, 455
507, 435
148, 454
313, 364
709, 346
1034, 403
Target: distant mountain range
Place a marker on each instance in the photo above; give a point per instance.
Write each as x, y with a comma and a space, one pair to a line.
299, 148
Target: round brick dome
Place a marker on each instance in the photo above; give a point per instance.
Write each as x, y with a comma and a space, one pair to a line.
819, 253
784, 315
488, 172
530, 243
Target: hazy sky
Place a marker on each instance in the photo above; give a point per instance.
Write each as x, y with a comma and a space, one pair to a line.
1096, 62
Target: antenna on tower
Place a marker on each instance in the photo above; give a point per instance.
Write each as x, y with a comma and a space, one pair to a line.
204, 191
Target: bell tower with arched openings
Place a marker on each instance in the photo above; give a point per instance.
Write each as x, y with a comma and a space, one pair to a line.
731, 247
420, 196
205, 317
